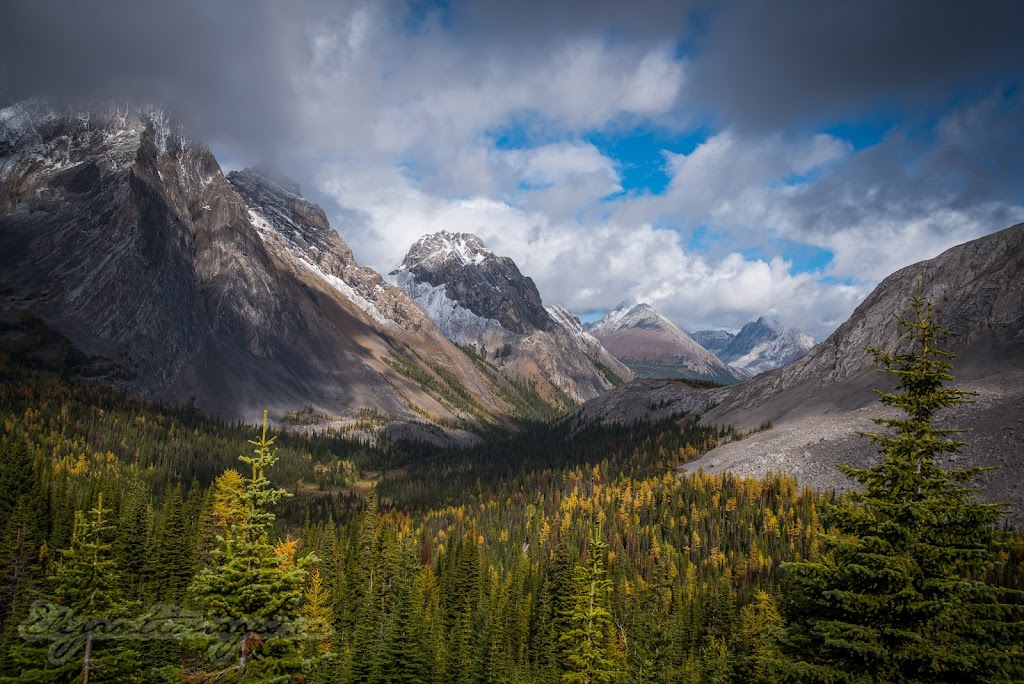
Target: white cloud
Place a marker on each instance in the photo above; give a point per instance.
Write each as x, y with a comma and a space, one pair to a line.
391, 109
558, 163
401, 129
717, 177
592, 266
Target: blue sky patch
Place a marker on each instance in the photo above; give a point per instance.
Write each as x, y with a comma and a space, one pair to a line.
638, 153
862, 134
804, 257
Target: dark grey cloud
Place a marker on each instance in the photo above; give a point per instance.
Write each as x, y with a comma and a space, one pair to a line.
973, 156
770, 64
537, 22
216, 64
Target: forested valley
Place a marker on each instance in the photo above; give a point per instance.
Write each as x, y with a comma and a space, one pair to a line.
136, 546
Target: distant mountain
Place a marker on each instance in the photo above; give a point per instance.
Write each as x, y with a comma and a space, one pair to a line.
715, 341
820, 403
765, 345
480, 299
652, 346
119, 232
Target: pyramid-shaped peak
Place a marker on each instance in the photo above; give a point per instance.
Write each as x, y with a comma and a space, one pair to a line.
631, 313
771, 323
466, 248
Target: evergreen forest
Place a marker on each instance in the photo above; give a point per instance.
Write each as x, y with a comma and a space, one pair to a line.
142, 542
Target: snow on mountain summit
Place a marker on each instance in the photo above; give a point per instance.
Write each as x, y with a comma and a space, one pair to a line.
761, 346
464, 248
652, 346
480, 299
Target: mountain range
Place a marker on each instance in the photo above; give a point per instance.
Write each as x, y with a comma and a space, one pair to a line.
120, 234
652, 346
818, 405
127, 255
760, 346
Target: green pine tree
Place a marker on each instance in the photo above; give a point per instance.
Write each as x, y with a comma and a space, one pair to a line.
404, 656
901, 594
132, 539
82, 637
592, 651
172, 551
553, 614
252, 590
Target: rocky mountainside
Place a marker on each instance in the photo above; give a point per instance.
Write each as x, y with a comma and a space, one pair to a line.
653, 347
480, 299
765, 345
119, 232
821, 402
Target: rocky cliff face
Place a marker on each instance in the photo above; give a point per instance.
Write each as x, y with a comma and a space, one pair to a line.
476, 280
821, 402
765, 345
481, 299
121, 233
652, 346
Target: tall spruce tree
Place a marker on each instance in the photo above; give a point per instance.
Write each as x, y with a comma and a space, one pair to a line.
80, 637
252, 589
592, 652
171, 555
900, 595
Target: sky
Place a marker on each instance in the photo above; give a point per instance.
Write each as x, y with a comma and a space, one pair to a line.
718, 160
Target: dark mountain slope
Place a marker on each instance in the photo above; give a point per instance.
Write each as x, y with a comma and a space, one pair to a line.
121, 233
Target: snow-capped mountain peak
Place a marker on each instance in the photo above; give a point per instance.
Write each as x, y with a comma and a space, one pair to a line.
652, 346
764, 345
632, 314
480, 299
463, 248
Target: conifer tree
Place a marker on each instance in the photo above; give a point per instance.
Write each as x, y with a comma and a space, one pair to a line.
463, 658
404, 653
591, 645
553, 614
317, 614
78, 638
364, 590
171, 556
132, 539
901, 594
252, 589
759, 622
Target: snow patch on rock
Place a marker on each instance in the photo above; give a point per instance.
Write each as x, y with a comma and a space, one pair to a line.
275, 238
457, 323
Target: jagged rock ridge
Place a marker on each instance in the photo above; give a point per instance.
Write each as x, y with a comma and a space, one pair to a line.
652, 346
764, 345
120, 232
476, 280
480, 299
